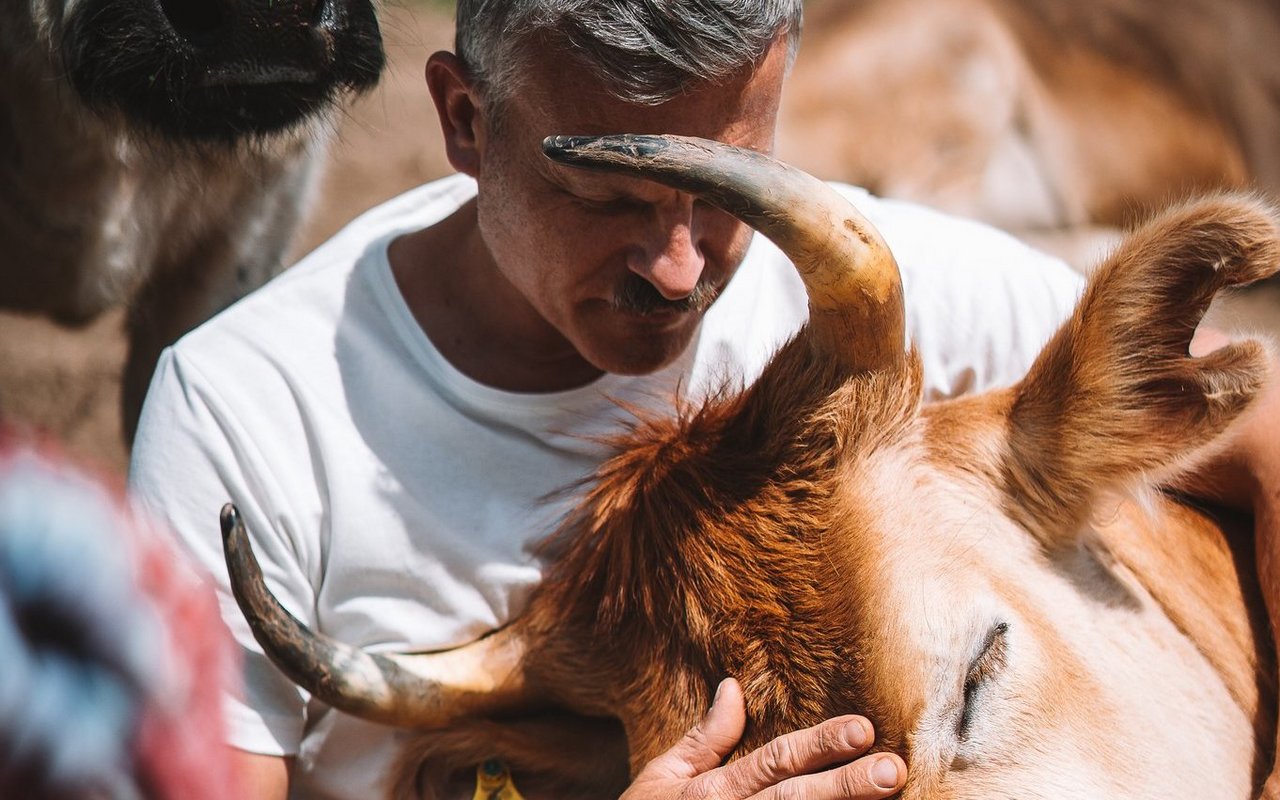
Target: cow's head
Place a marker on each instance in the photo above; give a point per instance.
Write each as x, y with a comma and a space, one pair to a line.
951, 571
211, 70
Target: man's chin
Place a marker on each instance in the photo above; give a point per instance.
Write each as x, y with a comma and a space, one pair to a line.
626, 343
643, 355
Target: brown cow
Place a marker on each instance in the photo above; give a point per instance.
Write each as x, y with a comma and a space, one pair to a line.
1038, 115
158, 153
973, 575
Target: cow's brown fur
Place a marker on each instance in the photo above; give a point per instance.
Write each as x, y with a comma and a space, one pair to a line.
775, 535
1037, 114
1217, 57
705, 542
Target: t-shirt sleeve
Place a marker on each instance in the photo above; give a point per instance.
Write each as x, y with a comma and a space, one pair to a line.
981, 304
191, 456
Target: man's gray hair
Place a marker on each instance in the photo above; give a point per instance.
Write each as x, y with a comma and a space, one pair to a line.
643, 51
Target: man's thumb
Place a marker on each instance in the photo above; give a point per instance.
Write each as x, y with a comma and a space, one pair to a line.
706, 744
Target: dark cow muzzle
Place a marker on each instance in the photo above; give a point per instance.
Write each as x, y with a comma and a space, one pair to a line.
221, 70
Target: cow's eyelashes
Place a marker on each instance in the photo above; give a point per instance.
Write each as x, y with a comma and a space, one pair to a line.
981, 670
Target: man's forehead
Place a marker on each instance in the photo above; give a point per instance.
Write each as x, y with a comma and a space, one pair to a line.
559, 96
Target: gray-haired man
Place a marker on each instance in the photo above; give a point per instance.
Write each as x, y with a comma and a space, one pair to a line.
392, 415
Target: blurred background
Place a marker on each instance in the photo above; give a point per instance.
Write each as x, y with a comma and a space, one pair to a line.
1061, 122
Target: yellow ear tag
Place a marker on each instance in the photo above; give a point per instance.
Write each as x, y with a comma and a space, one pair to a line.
493, 782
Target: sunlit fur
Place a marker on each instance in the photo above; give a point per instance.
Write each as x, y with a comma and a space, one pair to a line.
1115, 395
838, 547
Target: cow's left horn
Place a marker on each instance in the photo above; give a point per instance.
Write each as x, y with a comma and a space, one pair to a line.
415, 690
855, 293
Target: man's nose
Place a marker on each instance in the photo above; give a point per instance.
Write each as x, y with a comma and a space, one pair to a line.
671, 258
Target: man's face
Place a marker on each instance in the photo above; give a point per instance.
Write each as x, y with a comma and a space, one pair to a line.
618, 269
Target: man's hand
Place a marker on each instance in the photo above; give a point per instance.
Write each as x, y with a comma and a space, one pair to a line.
795, 766
1246, 475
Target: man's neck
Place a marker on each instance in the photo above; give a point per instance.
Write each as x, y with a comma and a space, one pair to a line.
475, 317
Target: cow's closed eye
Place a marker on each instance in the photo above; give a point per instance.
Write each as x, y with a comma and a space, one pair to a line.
982, 670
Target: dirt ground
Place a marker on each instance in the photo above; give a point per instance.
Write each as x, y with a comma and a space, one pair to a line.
66, 382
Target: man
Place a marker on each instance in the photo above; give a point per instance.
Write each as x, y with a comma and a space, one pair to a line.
396, 415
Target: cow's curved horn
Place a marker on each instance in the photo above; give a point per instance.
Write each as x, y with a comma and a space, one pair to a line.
414, 690
855, 293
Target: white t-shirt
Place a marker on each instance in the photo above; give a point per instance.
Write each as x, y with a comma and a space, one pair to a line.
394, 502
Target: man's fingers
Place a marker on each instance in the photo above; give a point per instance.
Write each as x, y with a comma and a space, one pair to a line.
792, 767
707, 743
800, 753
1206, 339
869, 778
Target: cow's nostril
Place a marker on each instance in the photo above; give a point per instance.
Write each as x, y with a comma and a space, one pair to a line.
197, 21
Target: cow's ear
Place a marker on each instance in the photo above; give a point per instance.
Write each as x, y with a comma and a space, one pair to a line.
1115, 396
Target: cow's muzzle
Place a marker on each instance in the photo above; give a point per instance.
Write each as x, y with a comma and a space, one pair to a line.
221, 70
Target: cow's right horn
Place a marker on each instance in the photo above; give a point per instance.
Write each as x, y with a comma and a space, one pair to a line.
855, 293
405, 690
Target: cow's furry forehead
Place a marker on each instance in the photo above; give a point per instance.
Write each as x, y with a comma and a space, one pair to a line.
754, 471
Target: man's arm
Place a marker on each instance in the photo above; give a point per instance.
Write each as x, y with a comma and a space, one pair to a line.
1246, 476
183, 468
263, 777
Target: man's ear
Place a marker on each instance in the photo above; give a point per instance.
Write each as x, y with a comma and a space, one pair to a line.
458, 106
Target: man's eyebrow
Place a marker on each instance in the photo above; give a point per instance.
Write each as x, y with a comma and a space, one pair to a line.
568, 178
580, 182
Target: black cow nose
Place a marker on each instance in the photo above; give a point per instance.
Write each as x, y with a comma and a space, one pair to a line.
198, 21
221, 70
205, 22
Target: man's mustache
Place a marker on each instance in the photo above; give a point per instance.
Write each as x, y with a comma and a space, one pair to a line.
638, 296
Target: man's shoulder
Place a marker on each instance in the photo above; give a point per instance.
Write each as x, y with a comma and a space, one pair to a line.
337, 284
922, 235
979, 301
365, 237
418, 207
929, 243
